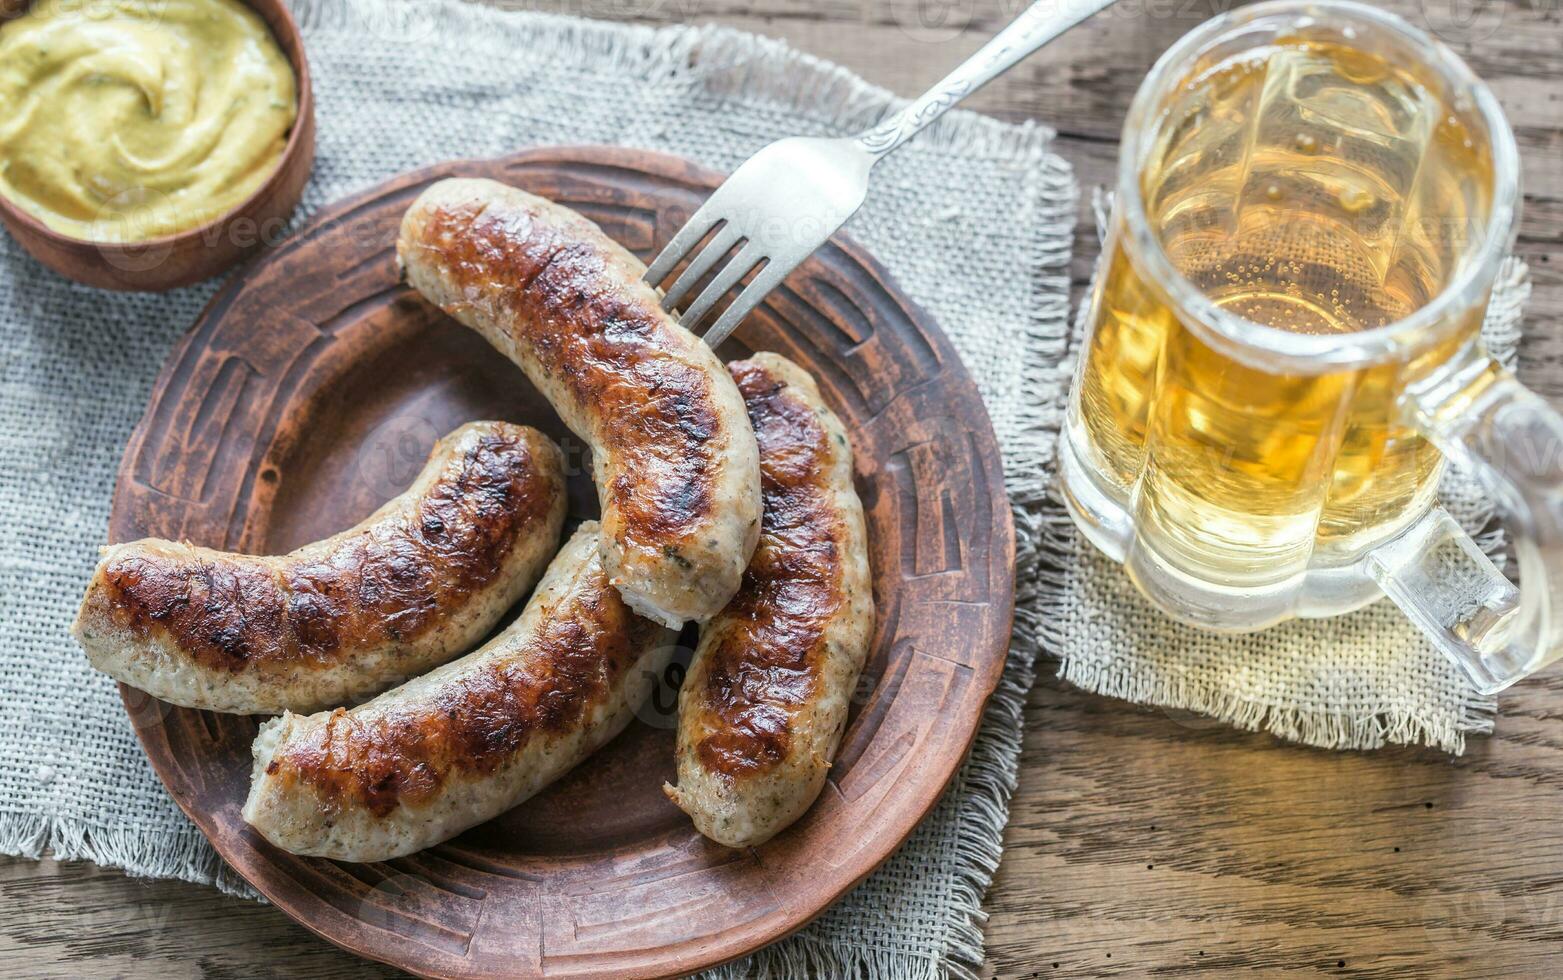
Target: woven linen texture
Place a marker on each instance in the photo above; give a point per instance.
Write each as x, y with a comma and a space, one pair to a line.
401, 86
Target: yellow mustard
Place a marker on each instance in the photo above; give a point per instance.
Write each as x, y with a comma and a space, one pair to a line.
125, 120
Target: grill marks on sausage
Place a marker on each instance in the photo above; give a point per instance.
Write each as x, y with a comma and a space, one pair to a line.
471, 726
609, 350
762, 673
387, 583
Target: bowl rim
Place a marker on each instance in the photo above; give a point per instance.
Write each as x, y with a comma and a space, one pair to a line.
304, 92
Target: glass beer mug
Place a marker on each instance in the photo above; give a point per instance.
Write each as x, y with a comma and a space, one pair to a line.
1284, 342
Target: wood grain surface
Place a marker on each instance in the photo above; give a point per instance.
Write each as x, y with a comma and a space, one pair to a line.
1140, 842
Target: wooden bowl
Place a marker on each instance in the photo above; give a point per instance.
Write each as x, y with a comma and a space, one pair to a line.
206, 250
310, 391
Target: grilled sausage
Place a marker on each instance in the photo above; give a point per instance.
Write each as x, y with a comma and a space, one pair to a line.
675, 463
422, 580
765, 701
466, 742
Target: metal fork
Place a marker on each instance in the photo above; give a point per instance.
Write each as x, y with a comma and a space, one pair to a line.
788, 199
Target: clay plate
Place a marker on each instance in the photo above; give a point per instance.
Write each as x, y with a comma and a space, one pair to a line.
311, 389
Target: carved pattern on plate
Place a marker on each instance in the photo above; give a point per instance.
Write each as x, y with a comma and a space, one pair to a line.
257, 423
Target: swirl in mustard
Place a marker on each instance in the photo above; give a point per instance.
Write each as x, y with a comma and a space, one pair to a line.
128, 120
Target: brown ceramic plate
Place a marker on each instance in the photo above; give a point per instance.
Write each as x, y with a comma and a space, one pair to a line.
310, 391
206, 250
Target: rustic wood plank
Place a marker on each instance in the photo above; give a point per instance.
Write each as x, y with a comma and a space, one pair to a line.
1144, 840
1140, 841
75, 920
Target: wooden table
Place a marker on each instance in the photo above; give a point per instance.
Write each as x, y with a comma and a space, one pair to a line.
1138, 842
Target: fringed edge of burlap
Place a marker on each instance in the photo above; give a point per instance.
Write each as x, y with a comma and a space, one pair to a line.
1502, 331
725, 64
140, 853
987, 778
733, 65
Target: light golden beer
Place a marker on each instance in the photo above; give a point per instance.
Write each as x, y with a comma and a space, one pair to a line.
1313, 188
1314, 201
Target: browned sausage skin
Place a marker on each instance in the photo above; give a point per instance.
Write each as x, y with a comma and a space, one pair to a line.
762, 710
335, 621
676, 465
467, 741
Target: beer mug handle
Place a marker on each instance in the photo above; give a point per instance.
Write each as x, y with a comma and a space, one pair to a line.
1480, 416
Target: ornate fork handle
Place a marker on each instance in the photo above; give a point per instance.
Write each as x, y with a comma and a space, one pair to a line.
1039, 24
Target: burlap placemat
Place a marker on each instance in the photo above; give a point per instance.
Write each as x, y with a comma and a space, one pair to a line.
974, 220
